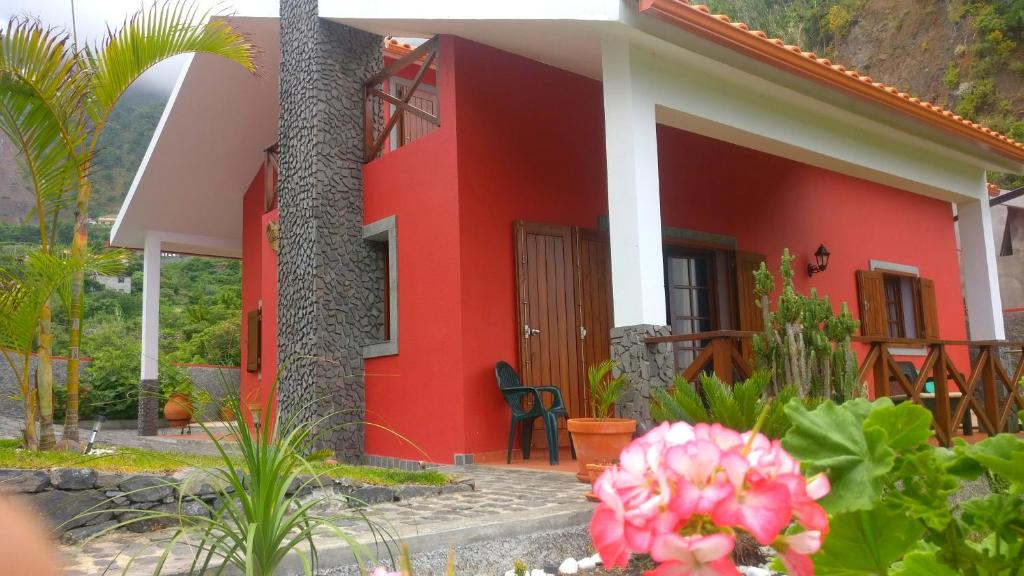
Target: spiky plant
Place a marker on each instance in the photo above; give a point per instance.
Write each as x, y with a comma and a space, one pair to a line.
737, 406
605, 390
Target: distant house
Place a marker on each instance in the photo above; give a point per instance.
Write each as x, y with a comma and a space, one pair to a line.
107, 220
551, 184
117, 283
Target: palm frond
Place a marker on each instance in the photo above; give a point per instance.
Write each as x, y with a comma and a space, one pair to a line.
164, 30
41, 89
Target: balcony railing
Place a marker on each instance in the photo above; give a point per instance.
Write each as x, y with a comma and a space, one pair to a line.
407, 103
989, 391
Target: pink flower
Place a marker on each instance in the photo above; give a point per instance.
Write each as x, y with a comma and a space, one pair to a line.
694, 555
382, 571
794, 551
680, 492
762, 509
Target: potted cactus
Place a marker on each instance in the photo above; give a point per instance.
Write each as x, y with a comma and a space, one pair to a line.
600, 439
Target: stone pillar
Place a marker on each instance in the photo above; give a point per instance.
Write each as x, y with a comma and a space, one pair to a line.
646, 367
327, 274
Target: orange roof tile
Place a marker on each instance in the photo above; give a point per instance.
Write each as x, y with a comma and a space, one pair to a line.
395, 48
698, 19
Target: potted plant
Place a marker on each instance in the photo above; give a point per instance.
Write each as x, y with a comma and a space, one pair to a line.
180, 395
227, 410
600, 439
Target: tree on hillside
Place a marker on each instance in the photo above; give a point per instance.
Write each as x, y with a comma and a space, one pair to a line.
65, 97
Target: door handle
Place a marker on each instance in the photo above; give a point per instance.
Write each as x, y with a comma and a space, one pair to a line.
527, 331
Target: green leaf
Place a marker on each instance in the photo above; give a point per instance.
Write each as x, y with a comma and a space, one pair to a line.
866, 542
1002, 454
922, 564
918, 482
831, 439
907, 425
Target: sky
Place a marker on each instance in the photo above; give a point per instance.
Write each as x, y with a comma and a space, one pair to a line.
93, 16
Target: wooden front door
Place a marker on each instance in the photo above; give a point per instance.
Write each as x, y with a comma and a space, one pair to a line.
564, 309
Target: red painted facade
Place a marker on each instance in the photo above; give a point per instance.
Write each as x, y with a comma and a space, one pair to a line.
520, 140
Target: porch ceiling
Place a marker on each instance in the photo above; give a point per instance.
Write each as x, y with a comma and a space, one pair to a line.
568, 35
205, 151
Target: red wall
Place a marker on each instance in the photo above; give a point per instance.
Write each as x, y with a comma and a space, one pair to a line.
531, 147
770, 203
414, 400
259, 285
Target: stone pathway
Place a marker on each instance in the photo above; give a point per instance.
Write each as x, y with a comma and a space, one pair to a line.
506, 502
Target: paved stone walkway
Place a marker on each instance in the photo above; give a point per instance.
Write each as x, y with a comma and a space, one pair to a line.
506, 502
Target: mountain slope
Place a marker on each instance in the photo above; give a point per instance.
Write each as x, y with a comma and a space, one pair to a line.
966, 55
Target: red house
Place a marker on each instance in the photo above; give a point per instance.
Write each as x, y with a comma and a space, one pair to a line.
548, 183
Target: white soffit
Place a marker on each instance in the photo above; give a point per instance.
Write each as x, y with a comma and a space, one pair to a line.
205, 151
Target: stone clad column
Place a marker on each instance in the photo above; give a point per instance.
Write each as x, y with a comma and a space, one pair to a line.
326, 275
646, 366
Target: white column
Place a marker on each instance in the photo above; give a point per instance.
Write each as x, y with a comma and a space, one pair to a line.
981, 279
634, 202
150, 307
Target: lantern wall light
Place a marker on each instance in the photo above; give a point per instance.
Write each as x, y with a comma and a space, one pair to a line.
821, 261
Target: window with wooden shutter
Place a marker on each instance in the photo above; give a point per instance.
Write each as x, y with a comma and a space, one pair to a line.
929, 311
252, 349
871, 303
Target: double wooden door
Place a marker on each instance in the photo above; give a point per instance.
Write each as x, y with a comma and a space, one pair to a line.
564, 305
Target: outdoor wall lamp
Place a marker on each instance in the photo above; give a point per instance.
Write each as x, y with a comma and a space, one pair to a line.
821, 257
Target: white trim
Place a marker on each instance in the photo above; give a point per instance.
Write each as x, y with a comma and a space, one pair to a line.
634, 197
893, 267
581, 10
151, 308
385, 230
980, 274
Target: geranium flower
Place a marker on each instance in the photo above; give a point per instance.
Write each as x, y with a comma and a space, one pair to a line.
694, 555
794, 551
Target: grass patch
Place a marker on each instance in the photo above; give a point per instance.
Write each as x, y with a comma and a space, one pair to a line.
134, 460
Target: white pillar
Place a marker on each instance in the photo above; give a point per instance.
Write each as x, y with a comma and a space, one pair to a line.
150, 307
634, 201
981, 278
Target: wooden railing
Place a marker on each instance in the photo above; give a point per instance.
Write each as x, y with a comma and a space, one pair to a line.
720, 352
375, 94
989, 391
999, 392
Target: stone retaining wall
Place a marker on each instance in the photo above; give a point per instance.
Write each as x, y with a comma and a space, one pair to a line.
80, 502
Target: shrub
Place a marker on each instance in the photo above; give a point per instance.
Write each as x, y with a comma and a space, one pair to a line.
890, 488
952, 77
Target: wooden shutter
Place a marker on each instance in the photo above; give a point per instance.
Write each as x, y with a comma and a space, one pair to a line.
252, 345
929, 312
749, 315
871, 303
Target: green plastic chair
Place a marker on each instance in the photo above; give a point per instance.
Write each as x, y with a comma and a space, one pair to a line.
513, 390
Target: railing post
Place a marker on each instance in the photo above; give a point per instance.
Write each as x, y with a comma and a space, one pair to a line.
881, 371
989, 390
939, 377
721, 358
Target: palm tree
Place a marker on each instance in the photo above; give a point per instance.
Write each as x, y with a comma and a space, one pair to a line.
26, 291
82, 94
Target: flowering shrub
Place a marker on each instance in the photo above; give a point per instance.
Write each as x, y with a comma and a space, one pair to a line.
680, 493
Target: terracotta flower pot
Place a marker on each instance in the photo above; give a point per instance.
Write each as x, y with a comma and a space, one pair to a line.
599, 441
594, 471
178, 410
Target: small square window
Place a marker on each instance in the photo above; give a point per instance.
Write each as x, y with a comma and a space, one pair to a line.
383, 235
